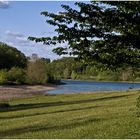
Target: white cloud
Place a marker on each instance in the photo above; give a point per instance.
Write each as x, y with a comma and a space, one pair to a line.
13, 34
21, 42
4, 4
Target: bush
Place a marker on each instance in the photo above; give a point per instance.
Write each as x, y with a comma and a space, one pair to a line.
3, 76
16, 75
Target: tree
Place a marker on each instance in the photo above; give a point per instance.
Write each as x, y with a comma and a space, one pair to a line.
11, 57
106, 33
37, 72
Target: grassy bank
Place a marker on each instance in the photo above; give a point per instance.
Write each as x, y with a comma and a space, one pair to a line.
98, 115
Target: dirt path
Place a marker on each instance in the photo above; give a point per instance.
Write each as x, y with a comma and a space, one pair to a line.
10, 92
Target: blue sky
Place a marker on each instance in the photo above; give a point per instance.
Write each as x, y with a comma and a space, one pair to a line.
20, 19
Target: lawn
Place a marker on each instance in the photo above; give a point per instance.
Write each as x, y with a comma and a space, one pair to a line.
96, 115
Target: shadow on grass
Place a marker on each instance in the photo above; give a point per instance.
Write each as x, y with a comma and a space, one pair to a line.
45, 127
58, 103
53, 112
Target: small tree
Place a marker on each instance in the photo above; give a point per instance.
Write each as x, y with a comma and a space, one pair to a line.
36, 73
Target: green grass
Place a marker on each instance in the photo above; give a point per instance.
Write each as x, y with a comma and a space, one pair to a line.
97, 115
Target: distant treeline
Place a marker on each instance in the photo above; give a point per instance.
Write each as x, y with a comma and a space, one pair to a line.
16, 68
70, 68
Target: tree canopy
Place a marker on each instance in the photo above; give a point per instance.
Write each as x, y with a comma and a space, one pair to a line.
11, 57
106, 33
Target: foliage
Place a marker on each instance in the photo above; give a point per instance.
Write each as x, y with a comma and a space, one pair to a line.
43, 71
13, 76
73, 75
3, 76
40, 72
11, 57
72, 68
62, 68
37, 73
66, 73
16, 75
106, 33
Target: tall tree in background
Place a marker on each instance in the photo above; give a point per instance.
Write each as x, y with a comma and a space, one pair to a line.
11, 57
106, 33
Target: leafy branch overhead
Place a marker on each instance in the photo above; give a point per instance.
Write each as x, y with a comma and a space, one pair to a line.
102, 32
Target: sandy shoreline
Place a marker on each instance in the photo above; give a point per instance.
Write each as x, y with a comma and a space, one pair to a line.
23, 91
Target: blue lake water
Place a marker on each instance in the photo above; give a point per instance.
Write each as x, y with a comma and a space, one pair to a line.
72, 86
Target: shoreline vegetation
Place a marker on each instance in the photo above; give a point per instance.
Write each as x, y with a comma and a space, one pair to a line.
90, 80
39, 71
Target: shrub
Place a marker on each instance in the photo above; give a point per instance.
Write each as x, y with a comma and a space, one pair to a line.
16, 75
3, 76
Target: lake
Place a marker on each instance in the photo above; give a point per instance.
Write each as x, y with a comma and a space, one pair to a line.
73, 86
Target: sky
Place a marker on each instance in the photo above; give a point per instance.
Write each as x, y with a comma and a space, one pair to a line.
21, 19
